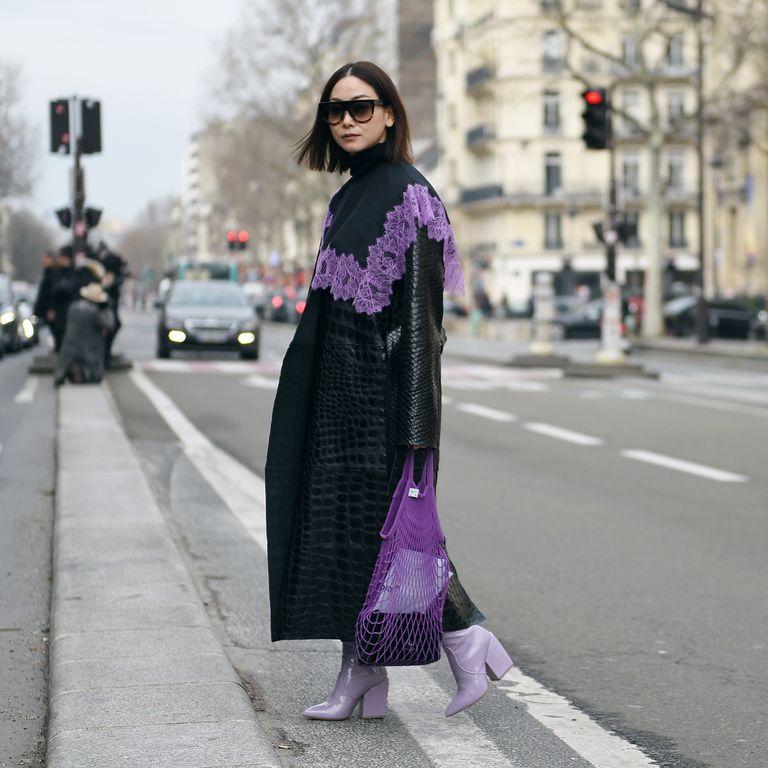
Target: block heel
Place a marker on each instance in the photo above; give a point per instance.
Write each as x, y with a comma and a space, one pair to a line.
374, 703
497, 660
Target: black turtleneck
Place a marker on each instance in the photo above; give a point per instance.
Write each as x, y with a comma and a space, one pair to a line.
367, 159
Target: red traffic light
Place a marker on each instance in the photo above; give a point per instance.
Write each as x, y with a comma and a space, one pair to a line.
231, 236
593, 97
242, 236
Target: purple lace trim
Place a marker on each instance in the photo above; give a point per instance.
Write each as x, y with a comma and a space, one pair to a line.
370, 287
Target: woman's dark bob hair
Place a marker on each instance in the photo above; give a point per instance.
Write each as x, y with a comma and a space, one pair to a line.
318, 150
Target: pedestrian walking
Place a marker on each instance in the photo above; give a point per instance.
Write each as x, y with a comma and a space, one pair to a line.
359, 393
63, 290
89, 320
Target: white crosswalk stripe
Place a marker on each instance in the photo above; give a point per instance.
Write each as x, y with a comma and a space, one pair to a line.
447, 743
701, 470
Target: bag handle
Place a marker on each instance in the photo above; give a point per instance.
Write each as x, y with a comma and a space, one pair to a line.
427, 473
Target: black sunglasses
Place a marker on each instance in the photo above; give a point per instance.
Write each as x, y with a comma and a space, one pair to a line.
361, 110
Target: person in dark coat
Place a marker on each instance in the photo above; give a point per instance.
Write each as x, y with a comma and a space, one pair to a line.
43, 300
359, 387
89, 319
63, 290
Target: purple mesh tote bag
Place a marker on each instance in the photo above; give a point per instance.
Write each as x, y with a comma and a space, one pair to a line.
401, 622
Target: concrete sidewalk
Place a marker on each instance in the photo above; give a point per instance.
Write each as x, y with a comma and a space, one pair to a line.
137, 675
502, 351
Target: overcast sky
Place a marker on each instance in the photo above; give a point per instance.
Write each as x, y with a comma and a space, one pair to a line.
150, 64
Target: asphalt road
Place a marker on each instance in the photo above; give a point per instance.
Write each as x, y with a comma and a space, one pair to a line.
27, 432
613, 532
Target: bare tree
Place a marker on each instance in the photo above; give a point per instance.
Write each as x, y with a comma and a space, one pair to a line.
28, 238
147, 243
651, 27
273, 66
16, 137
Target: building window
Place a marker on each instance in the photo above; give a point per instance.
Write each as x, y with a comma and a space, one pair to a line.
675, 109
677, 229
629, 51
631, 102
552, 112
630, 172
675, 51
553, 230
451, 115
552, 51
676, 172
552, 174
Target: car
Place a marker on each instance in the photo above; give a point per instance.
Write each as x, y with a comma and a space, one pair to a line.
285, 305
208, 315
585, 323
10, 322
726, 318
24, 296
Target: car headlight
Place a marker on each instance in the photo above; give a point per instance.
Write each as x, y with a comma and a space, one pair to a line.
7, 317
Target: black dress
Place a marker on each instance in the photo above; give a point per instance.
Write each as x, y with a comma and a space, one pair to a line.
360, 383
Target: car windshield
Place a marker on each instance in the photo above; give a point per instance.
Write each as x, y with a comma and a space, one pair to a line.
208, 294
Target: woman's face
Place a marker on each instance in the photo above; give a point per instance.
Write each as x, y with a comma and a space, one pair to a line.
354, 137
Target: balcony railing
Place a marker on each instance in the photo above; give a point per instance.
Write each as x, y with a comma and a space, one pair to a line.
480, 79
486, 192
480, 137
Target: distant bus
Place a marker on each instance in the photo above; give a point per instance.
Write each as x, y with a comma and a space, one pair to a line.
206, 270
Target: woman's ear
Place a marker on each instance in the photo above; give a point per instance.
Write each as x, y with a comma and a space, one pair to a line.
389, 118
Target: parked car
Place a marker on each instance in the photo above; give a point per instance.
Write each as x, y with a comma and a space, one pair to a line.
759, 328
24, 296
208, 315
586, 323
10, 322
726, 318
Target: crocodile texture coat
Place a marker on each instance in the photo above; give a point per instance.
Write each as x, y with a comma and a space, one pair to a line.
360, 383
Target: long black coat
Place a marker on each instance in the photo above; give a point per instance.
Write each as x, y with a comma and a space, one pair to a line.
82, 349
360, 383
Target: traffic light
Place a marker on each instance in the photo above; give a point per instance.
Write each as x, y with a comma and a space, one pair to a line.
232, 239
60, 134
597, 122
90, 121
627, 230
92, 217
64, 215
242, 239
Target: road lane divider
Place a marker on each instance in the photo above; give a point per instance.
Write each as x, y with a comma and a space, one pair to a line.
680, 465
27, 393
415, 697
550, 430
485, 412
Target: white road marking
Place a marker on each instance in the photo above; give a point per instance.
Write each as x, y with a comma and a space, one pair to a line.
486, 413
261, 382
447, 400
562, 434
468, 384
27, 393
585, 737
243, 492
416, 698
720, 475
232, 367
635, 394
592, 394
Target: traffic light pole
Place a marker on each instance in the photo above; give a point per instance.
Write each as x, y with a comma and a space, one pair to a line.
79, 231
610, 352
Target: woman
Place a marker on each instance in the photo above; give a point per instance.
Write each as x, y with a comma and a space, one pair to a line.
359, 386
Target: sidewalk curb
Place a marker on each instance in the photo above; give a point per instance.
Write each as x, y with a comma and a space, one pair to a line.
137, 675
757, 354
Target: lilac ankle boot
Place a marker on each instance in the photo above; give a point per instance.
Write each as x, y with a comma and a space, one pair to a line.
471, 652
355, 684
